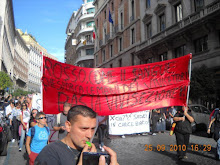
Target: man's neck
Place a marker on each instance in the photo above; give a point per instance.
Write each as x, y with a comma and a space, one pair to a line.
67, 140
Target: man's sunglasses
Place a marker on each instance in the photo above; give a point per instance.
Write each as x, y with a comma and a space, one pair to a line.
42, 117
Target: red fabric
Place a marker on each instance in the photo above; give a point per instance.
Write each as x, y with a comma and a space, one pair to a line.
32, 158
110, 91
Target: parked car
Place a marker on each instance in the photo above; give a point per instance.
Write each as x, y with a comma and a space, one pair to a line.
3, 137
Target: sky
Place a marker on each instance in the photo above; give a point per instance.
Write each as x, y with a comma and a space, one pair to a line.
46, 20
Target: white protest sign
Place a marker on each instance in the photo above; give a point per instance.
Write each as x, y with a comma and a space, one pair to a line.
129, 123
37, 102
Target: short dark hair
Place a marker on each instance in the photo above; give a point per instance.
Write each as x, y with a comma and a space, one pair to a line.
38, 114
80, 110
66, 104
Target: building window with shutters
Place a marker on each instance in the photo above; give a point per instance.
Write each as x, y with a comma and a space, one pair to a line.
148, 30
180, 51
147, 4
178, 12
201, 44
103, 56
162, 23
199, 4
163, 56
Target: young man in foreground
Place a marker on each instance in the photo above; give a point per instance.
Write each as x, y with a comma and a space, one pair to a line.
80, 125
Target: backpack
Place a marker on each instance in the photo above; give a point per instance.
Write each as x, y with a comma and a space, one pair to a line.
58, 118
33, 131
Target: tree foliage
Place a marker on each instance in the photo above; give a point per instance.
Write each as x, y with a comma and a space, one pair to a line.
202, 84
5, 80
19, 92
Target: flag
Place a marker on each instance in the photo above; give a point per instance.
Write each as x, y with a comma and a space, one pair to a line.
94, 32
110, 17
84, 42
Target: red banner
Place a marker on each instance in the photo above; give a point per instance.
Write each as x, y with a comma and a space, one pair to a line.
110, 91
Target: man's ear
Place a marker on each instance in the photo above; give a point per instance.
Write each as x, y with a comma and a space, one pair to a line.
68, 126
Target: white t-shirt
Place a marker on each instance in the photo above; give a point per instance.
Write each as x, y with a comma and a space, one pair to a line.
26, 116
8, 110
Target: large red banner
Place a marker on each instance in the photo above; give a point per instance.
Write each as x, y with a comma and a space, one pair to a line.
110, 91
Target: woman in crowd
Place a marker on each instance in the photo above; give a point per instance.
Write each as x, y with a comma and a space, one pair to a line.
37, 137
25, 117
183, 129
15, 121
33, 120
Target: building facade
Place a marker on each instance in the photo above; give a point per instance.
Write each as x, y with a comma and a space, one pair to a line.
7, 37
118, 32
21, 63
81, 25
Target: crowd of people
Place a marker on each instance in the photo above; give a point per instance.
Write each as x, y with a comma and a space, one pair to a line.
77, 125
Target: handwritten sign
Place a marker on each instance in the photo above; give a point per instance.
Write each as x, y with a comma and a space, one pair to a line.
110, 91
129, 123
37, 102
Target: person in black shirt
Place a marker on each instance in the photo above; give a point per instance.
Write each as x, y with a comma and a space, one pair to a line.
216, 120
183, 129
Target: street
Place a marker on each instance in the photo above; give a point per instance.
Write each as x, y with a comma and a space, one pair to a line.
141, 150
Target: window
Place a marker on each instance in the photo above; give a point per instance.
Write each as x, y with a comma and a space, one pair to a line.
90, 24
132, 11
180, 51
96, 60
132, 59
90, 1
149, 60
111, 51
110, 65
147, 3
103, 56
178, 12
120, 44
148, 30
112, 6
89, 51
120, 63
198, 4
163, 57
162, 22
105, 14
132, 36
121, 21
88, 38
201, 44
91, 10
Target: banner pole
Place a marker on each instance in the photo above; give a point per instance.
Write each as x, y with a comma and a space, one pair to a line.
190, 69
42, 102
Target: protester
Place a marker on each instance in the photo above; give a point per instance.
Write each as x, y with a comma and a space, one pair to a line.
80, 125
8, 111
161, 123
183, 129
37, 137
59, 123
102, 128
154, 119
15, 122
25, 117
33, 120
216, 121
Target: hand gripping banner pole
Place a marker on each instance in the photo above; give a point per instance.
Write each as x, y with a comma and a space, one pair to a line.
190, 69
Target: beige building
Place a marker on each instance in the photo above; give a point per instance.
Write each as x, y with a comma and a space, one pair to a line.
7, 37
79, 45
116, 42
21, 63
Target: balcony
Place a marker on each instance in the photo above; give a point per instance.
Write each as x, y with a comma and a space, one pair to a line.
80, 44
86, 16
84, 30
119, 29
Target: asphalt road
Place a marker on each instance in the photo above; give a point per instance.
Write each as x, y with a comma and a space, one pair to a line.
142, 150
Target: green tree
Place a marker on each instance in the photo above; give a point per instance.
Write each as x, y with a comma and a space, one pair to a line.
5, 80
202, 85
19, 92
